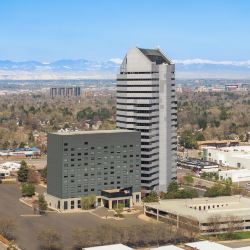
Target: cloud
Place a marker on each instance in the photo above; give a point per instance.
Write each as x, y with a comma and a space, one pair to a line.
206, 61
116, 60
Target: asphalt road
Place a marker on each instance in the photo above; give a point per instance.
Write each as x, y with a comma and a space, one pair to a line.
27, 228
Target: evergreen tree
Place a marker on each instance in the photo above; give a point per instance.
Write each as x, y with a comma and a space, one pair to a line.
22, 173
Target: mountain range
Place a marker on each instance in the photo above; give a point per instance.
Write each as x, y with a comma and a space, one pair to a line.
82, 68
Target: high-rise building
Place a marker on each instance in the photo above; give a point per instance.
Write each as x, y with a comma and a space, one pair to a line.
65, 91
104, 163
146, 102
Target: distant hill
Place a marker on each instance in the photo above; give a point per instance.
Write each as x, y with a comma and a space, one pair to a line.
82, 68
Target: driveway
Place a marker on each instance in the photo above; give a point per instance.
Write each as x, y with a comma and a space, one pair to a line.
29, 227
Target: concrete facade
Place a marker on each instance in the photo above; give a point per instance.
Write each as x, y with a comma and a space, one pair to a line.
90, 162
146, 102
204, 215
235, 175
235, 156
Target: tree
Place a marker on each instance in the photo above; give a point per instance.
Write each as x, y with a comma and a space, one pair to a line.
218, 190
28, 189
188, 179
151, 197
202, 123
22, 145
213, 223
173, 187
187, 139
184, 193
50, 239
33, 176
42, 203
200, 137
223, 114
233, 224
119, 209
44, 173
7, 228
88, 202
22, 173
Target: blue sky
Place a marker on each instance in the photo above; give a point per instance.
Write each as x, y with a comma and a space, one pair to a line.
48, 30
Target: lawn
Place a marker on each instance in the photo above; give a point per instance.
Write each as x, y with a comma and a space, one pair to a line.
233, 236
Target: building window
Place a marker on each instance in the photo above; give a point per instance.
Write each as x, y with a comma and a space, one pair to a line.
137, 198
72, 204
65, 205
79, 204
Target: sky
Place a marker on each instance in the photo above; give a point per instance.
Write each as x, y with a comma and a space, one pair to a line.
49, 30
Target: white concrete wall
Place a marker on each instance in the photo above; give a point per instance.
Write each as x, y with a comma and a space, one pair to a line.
235, 175
231, 158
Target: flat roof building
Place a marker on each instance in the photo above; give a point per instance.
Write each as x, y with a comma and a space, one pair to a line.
201, 213
197, 165
235, 157
104, 163
235, 175
65, 91
146, 102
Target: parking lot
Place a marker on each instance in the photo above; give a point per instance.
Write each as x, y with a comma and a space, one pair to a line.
28, 227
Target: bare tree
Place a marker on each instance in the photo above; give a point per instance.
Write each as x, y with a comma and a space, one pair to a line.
213, 223
7, 228
33, 176
233, 224
50, 239
84, 238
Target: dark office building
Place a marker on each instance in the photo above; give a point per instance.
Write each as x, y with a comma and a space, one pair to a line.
104, 163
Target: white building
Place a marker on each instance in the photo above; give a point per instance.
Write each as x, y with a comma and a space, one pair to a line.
235, 157
235, 175
12, 166
146, 101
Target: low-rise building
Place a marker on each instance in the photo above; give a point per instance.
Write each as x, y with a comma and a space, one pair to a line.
198, 165
204, 215
11, 166
104, 163
235, 157
218, 143
235, 175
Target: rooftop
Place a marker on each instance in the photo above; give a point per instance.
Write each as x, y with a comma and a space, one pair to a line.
207, 245
169, 247
109, 247
202, 209
234, 149
155, 55
90, 132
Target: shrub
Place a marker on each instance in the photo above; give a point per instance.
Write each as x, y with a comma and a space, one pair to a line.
28, 189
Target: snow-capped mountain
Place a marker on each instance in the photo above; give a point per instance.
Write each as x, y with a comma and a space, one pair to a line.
194, 68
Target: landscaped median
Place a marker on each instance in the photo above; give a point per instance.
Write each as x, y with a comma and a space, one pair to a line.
6, 244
